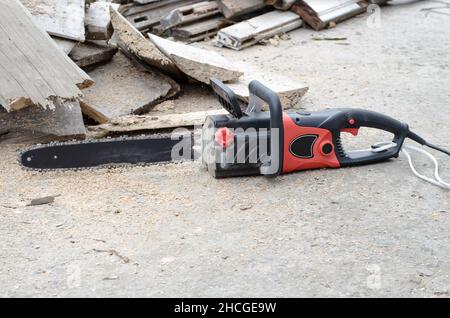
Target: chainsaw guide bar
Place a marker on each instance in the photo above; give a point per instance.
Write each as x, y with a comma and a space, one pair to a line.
106, 153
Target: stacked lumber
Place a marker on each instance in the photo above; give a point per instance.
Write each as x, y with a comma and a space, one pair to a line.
189, 20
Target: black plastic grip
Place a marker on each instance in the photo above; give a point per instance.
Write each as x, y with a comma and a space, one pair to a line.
371, 119
264, 93
356, 118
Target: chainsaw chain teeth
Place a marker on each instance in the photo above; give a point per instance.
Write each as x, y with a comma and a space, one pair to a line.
100, 167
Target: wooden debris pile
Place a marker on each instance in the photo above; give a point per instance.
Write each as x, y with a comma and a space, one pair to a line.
137, 54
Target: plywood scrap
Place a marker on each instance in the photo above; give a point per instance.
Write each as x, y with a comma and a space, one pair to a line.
137, 44
63, 18
319, 14
98, 20
34, 123
250, 32
197, 63
130, 124
33, 69
190, 13
122, 88
290, 90
88, 54
234, 8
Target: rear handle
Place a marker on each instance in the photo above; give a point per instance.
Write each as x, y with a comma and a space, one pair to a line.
357, 118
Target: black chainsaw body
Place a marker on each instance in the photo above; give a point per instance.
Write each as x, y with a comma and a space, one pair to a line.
243, 143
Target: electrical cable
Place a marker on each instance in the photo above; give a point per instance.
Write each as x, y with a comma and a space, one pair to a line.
438, 180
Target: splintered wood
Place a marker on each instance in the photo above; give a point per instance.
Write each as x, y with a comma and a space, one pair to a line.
34, 70
62, 123
138, 45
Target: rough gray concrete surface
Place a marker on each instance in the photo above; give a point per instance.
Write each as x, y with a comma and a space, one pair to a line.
175, 231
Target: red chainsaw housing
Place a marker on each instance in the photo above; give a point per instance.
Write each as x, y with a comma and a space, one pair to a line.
322, 154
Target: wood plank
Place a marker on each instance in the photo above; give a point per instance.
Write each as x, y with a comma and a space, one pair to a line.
138, 45
64, 44
319, 14
190, 13
124, 89
290, 90
98, 20
37, 124
234, 8
130, 124
197, 63
250, 32
63, 18
88, 54
200, 30
33, 69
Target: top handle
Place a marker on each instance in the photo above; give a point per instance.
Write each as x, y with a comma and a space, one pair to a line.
275, 166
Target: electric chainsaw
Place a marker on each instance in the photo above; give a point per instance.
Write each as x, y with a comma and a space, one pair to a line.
242, 143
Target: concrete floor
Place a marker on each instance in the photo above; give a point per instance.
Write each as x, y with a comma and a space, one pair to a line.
174, 231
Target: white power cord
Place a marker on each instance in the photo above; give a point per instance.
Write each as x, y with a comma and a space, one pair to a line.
437, 181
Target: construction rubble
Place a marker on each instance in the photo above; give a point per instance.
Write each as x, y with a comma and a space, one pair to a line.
76, 69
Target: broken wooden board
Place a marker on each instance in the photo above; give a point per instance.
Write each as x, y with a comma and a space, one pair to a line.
200, 30
197, 63
190, 13
130, 124
319, 14
63, 18
33, 69
138, 45
234, 8
89, 54
124, 89
37, 124
148, 16
250, 32
98, 20
290, 90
